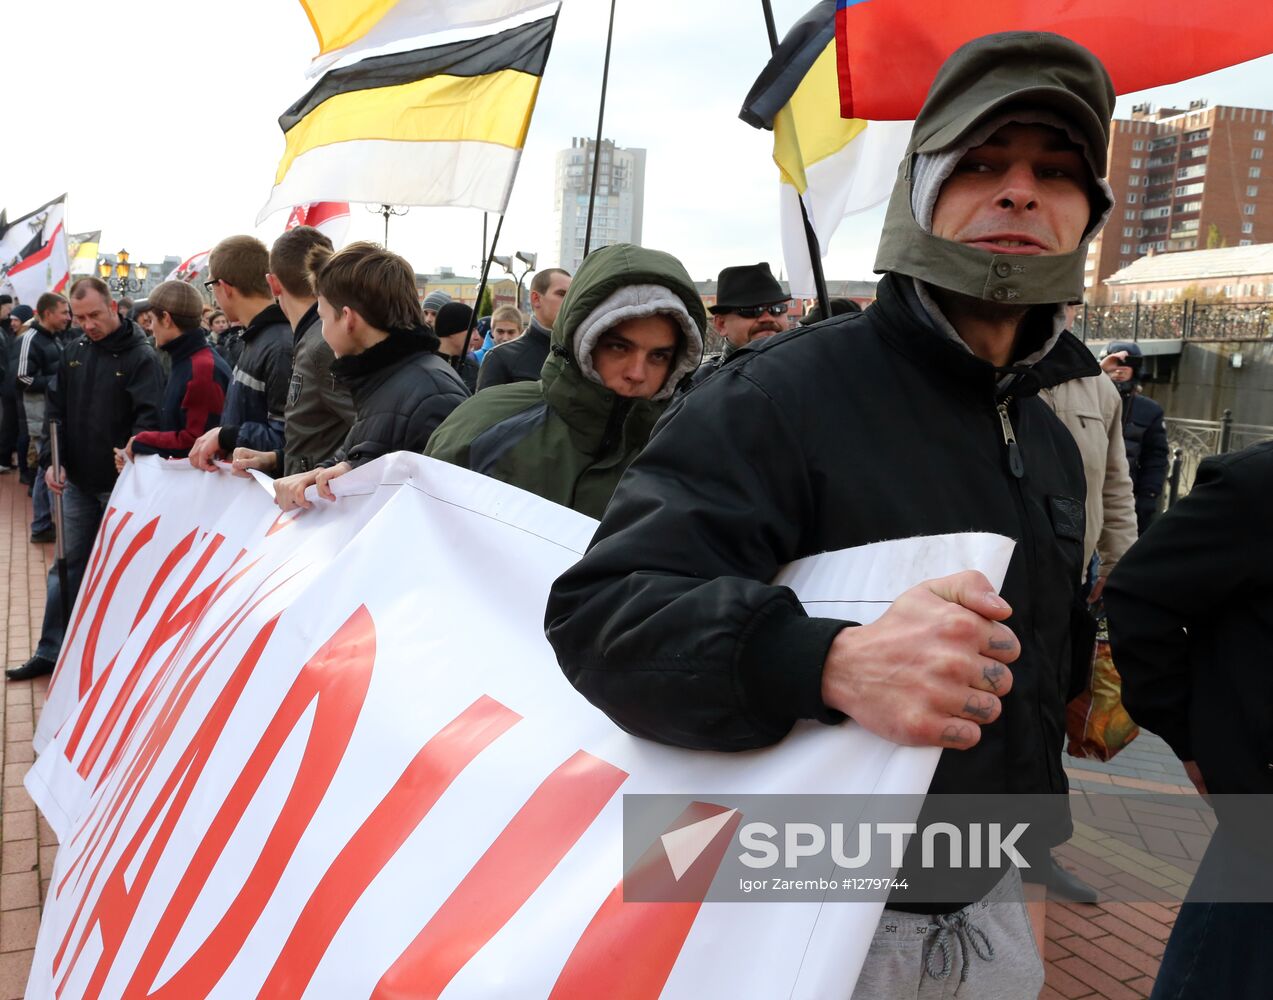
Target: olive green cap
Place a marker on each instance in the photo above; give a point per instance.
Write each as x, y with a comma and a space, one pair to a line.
987, 78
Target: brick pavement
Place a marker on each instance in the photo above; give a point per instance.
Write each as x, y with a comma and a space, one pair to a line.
1105, 952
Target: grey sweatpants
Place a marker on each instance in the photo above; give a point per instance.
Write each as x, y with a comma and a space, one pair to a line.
985, 951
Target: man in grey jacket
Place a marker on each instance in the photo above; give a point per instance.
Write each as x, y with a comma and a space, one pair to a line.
319, 410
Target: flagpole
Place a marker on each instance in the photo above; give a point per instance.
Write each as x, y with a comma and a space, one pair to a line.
811, 237
596, 148
481, 288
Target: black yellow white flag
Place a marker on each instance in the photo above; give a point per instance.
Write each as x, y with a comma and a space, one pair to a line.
348, 28
443, 125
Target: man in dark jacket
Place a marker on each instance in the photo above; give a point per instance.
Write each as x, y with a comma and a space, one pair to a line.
750, 305
320, 410
8, 392
37, 365
255, 405
1144, 432
108, 387
385, 354
1191, 633
919, 416
570, 436
520, 360
452, 328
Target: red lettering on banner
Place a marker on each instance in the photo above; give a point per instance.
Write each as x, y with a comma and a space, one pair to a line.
177, 621
628, 949
117, 904
428, 775
108, 812
139, 542
335, 680
512, 869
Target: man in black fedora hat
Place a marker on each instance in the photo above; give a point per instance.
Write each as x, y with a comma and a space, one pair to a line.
750, 305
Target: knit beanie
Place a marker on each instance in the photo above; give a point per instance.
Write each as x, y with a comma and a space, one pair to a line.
452, 318
434, 301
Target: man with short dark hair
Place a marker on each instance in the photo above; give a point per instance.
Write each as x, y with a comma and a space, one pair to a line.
320, 410
522, 359
1144, 430
256, 403
918, 417
108, 387
37, 365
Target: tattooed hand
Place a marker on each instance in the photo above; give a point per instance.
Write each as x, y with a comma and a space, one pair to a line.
932, 669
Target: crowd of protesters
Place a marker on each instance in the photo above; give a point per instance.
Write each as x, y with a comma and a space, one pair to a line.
957, 401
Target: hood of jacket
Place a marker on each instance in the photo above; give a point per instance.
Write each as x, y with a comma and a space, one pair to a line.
582, 402
1042, 76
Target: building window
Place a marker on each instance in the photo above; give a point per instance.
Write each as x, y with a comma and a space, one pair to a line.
1252, 191
1133, 180
1123, 263
1129, 214
1248, 209
1131, 197
1138, 144
1259, 135
1253, 172
1136, 163
1248, 228
1244, 243
1257, 153
1125, 248
1128, 231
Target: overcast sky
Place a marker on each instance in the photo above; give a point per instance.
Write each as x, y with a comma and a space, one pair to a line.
160, 121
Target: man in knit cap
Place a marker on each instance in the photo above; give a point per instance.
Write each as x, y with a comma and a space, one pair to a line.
920, 416
432, 305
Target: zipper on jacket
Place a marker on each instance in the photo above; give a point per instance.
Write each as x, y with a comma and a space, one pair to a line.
614, 426
1015, 464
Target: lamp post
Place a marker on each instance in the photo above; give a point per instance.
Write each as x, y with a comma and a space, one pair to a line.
122, 276
527, 258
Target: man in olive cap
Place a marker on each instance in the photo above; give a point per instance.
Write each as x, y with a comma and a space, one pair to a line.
920, 416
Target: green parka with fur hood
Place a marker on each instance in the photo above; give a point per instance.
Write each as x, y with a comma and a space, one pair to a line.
567, 437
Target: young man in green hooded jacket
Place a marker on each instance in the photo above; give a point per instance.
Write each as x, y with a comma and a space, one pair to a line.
630, 330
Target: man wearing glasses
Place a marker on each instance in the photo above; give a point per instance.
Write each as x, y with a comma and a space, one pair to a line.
750, 305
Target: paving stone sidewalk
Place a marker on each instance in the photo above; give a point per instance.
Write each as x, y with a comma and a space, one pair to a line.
1106, 951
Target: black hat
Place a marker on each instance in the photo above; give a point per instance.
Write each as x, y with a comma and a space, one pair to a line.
22, 312
452, 318
747, 285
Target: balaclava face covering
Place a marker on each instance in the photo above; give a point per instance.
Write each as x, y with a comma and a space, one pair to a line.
1028, 77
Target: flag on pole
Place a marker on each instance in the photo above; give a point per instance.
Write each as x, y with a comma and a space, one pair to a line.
82, 249
190, 268
331, 218
347, 29
838, 166
33, 253
890, 50
443, 125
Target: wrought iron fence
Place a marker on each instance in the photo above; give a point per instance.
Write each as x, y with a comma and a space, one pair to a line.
1188, 320
1190, 441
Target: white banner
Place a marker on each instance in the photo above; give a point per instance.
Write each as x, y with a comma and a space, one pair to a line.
330, 754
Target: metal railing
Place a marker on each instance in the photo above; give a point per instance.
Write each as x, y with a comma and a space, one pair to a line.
1188, 320
1190, 441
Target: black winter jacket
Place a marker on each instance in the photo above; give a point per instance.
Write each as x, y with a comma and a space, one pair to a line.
519, 360
869, 427
106, 392
255, 405
1191, 624
402, 391
38, 358
1146, 438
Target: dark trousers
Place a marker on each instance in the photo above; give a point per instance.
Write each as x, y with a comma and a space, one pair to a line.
82, 514
1220, 949
9, 428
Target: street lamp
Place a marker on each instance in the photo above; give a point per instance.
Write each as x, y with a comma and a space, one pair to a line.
122, 276
527, 258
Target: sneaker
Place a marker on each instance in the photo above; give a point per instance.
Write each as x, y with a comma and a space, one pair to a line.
37, 666
41, 537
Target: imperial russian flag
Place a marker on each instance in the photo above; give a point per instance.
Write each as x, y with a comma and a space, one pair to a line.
888, 51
